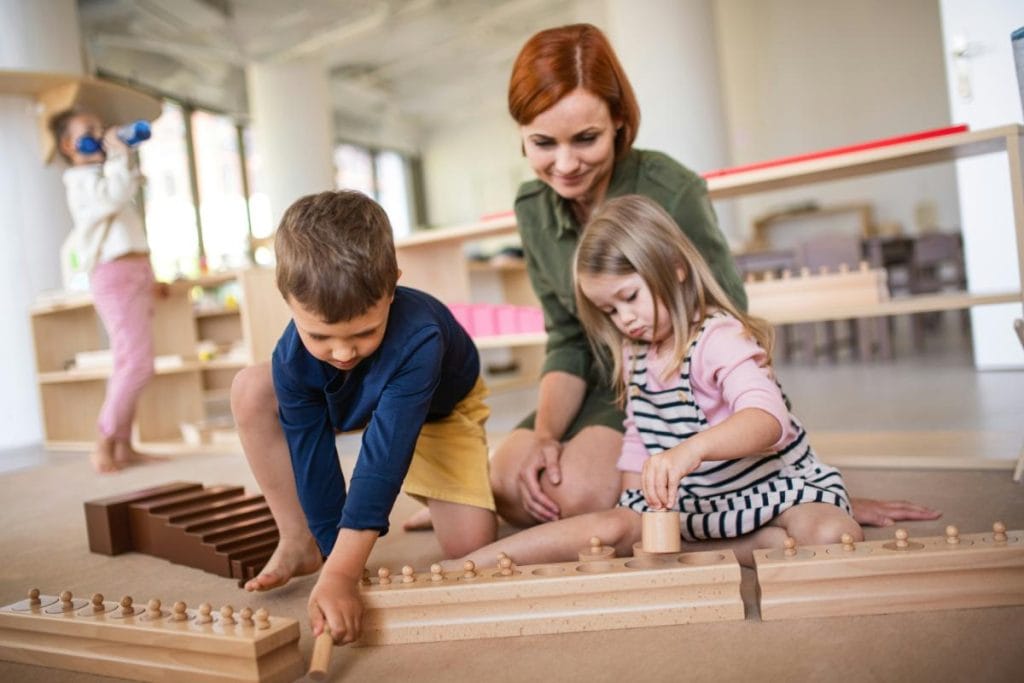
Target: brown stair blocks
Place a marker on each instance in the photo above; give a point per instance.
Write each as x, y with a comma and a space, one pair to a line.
219, 529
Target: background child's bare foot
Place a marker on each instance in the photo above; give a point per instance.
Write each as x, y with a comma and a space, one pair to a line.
289, 559
125, 455
419, 521
102, 456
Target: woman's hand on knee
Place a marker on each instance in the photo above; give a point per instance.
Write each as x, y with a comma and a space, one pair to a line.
544, 458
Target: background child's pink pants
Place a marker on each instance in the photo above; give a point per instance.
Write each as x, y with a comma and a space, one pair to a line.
123, 296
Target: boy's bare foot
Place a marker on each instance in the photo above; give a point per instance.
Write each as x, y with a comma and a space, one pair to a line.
102, 456
125, 455
289, 559
419, 521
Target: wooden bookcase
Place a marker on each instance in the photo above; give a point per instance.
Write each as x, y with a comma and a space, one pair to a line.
183, 386
434, 260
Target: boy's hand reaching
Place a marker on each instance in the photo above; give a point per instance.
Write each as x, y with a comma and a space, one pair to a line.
334, 603
662, 473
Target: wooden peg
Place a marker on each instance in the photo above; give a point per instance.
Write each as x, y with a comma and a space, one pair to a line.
469, 569
901, 539
321, 659
436, 572
205, 616
246, 616
999, 532
67, 601
408, 574
384, 576
153, 610
179, 612
127, 609
97, 603
660, 532
952, 535
505, 566
262, 619
227, 617
596, 551
33, 598
790, 547
847, 541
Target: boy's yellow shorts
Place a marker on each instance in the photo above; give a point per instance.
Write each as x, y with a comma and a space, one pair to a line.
450, 462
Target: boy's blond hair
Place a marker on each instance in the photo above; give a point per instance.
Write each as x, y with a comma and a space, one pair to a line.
336, 254
633, 234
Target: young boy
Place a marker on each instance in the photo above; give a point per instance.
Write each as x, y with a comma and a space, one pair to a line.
362, 353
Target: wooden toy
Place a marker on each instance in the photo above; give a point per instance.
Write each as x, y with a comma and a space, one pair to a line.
219, 529
594, 552
321, 659
148, 644
904, 574
660, 532
510, 600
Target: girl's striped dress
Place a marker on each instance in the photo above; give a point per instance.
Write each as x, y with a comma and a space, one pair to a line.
725, 498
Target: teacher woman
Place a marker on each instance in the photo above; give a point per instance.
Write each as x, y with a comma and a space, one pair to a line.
578, 118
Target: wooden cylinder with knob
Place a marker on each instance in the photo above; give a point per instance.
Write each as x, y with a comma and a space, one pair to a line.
321, 659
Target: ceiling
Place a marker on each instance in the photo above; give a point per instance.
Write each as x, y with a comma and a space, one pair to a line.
417, 61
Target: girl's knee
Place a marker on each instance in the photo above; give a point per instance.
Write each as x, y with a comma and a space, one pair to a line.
618, 527
825, 525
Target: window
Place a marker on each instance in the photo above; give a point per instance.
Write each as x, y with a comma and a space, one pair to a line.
381, 174
222, 201
169, 208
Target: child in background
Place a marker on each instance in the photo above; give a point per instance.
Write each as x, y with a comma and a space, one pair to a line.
707, 428
108, 242
363, 353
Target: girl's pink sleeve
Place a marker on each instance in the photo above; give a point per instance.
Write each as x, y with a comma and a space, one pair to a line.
634, 453
728, 364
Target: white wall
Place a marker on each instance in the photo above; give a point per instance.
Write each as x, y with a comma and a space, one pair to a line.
34, 36
983, 92
794, 76
805, 75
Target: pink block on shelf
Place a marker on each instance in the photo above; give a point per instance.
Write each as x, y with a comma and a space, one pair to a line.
485, 323
507, 319
463, 316
530, 319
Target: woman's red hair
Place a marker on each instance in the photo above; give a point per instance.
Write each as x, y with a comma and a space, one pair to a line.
556, 61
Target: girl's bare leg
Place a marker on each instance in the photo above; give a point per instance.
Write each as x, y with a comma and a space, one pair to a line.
562, 540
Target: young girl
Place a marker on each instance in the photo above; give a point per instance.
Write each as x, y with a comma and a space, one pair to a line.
109, 243
707, 427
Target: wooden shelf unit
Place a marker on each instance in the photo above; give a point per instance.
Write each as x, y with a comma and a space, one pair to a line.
179, 392
421, 254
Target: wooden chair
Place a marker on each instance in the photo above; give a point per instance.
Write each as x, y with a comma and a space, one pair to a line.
936, 265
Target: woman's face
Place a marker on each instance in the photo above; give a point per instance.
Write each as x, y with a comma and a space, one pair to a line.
571, 146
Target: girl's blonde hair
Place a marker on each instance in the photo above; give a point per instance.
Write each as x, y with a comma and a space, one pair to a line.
633, 234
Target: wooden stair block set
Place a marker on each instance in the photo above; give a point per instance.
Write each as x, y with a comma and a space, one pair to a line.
900, 575
219, 529
152, 643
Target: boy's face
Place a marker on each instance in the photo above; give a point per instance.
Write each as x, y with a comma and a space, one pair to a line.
80, 126
342, 344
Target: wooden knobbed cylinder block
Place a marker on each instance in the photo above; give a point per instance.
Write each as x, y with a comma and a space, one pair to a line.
660, 532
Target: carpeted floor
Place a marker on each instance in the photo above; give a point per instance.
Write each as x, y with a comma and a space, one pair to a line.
43, 544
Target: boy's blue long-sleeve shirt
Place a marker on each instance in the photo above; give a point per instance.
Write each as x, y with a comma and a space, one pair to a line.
425, 365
